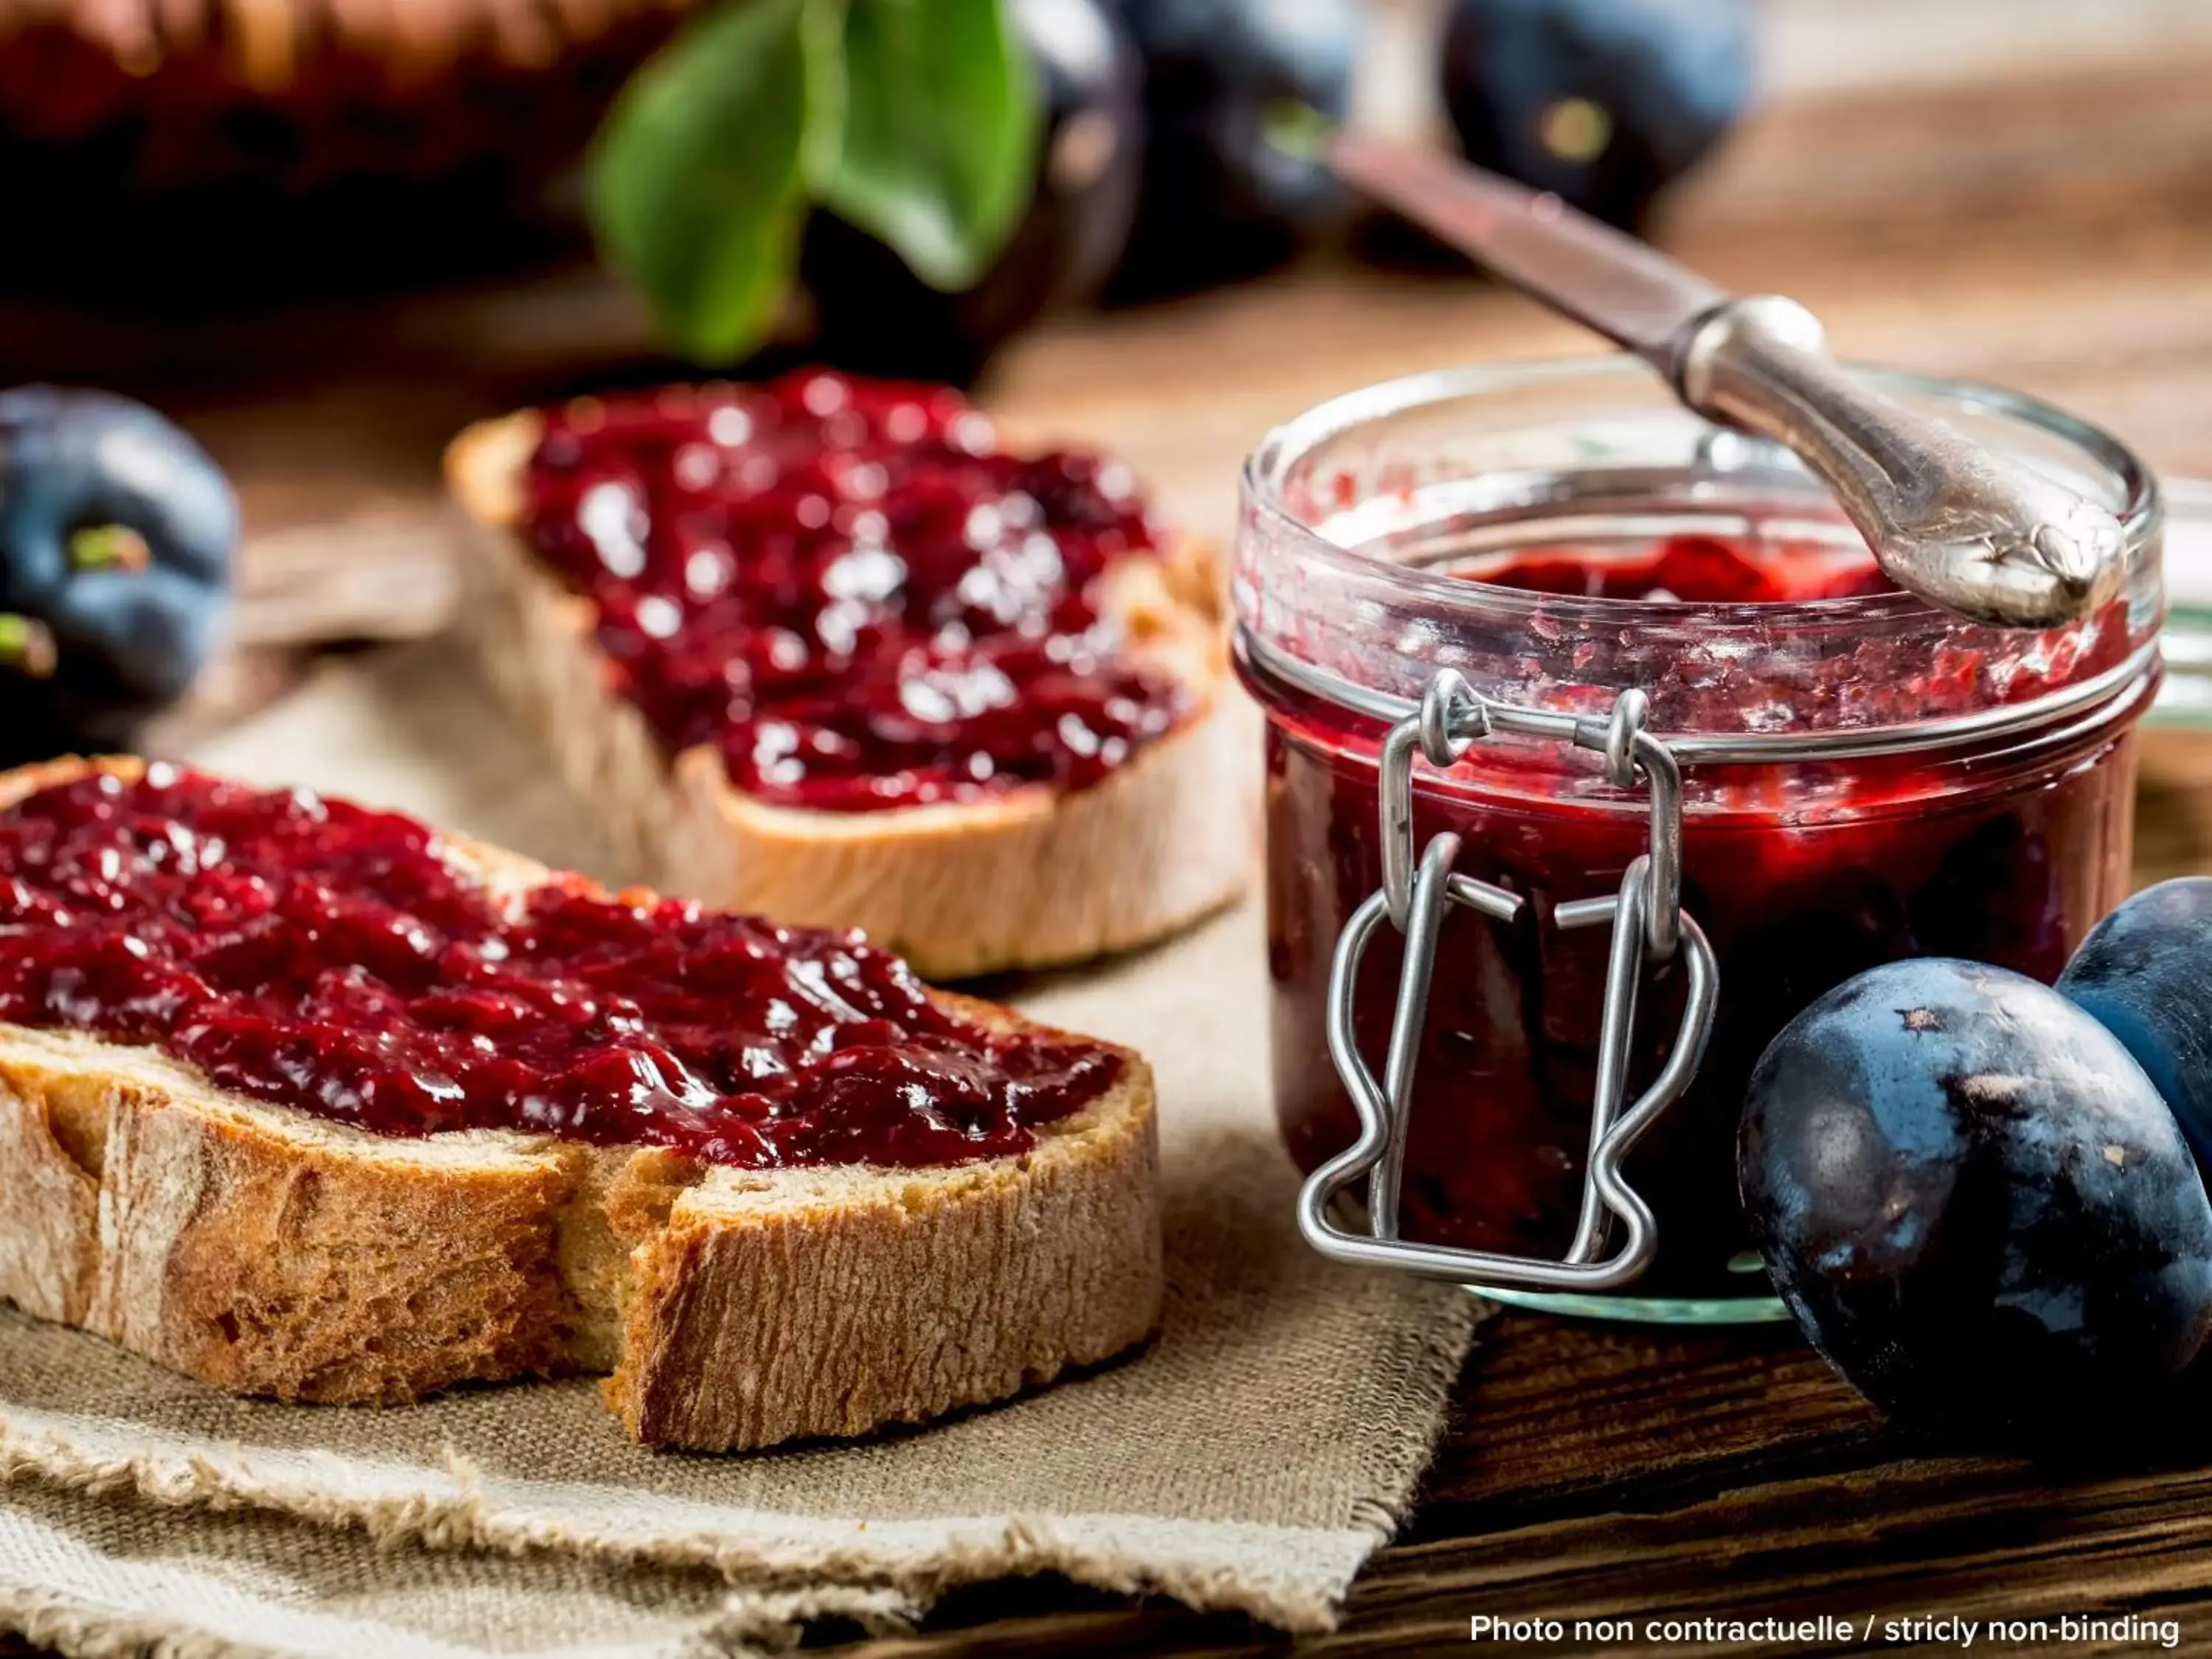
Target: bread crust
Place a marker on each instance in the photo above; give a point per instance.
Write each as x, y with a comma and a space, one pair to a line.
1034, 878
917, 1269
268, 1251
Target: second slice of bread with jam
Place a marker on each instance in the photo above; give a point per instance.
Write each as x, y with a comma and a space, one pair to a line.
304, 1100
881, 674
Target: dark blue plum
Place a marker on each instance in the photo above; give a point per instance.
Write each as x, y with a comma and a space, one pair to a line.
1602, 102
876, 317
1219, 200
1974, 1201
116, 535
2145, 972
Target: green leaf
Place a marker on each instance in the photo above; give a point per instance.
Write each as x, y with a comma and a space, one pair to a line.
695, 182
939, 137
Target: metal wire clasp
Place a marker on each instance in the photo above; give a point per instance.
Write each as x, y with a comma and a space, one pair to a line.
1649, 926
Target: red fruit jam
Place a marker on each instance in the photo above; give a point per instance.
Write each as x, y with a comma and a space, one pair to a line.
1702, 569
1801, 876
328, 958
849, 589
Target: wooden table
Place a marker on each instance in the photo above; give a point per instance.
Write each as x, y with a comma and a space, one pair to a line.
1628, 1474
2053, 230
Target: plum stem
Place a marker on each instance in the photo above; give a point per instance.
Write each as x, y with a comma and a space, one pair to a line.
109, 547
1297, 129
27, 645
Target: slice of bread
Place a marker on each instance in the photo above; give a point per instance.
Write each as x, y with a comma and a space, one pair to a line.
269, 1251
1032, 878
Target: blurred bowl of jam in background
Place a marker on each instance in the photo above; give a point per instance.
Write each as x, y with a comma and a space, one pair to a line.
240, 153
1558, 533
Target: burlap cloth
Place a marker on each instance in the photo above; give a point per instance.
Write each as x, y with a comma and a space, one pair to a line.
1251, 1459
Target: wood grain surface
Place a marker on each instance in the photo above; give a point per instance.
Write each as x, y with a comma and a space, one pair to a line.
2050, 229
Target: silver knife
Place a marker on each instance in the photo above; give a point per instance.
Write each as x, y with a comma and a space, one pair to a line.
1976, 533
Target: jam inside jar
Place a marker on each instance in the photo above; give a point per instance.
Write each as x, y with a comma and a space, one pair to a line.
1864, 777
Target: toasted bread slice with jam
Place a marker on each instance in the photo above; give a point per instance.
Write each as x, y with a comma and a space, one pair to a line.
269, 1250
1031, 877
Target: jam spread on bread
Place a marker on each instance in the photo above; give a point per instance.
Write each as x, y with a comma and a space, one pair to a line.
849, 589
322, 956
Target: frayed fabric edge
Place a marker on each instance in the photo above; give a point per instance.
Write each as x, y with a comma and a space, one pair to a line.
974, 1550
752, 1624
85, 1630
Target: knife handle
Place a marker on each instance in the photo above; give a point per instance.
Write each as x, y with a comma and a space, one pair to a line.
1976, 533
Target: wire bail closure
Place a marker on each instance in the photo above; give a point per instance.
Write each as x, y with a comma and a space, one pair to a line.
1649, 928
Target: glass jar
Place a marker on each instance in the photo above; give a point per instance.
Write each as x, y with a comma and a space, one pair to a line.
1861, 778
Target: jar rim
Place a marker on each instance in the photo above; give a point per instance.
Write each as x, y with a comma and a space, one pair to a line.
1270, 460
2118, 687
1351, 584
